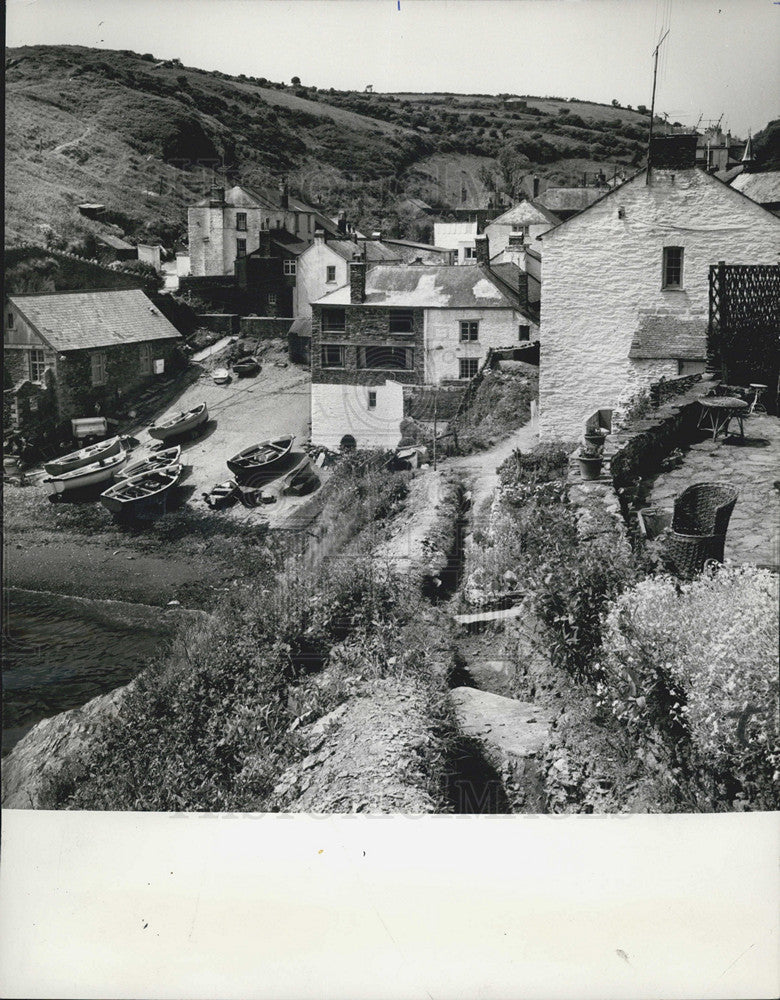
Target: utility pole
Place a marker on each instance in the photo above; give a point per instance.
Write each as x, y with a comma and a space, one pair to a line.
435, 421
652, 102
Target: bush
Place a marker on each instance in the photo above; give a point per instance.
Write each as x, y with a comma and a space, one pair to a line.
691, 671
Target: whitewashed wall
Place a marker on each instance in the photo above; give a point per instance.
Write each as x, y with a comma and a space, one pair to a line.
600, 270
337, 410
311, 273
443, 348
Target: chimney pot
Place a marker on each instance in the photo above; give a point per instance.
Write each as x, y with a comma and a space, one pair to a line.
482, 250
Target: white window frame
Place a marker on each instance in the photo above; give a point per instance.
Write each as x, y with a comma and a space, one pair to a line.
330, 269
667, 285
372, 399
469, 323
241, 222
470, 362
37, 362
272, 298
290, 267
341, 348
240, 251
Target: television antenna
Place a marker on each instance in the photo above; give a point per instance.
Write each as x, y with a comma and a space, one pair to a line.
652, 102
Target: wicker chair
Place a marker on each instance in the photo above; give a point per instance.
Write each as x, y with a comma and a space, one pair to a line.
699, 525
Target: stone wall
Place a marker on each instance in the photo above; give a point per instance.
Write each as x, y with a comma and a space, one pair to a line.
225, 323
74, 272
265, 327
600, 269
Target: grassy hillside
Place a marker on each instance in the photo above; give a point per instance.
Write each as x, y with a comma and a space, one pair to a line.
145, 137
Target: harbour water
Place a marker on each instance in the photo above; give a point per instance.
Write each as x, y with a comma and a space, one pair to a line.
59, 652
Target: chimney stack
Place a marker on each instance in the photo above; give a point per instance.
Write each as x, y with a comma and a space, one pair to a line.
673, 152
264, 243
341, 223
536, 187
482, 250
522, 289
217, 197
284, 195
319, 237
357, 279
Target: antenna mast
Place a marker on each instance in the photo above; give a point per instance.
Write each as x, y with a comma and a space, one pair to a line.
652, 102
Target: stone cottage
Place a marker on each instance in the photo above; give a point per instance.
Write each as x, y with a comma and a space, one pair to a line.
70, 352
626, 283
395, 326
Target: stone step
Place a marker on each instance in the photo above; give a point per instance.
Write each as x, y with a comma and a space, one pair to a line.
512, 729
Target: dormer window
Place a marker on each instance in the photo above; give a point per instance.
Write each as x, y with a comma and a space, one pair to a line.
673, 268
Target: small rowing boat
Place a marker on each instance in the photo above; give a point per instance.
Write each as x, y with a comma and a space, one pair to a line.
159, 460
246, 367
221, 376
129, 496
180, 423
260, 458
85, 476
85, 456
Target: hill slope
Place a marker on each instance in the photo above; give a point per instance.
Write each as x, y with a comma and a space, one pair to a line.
145, 137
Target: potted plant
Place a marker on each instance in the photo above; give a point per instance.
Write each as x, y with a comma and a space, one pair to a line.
591, 459
594, 437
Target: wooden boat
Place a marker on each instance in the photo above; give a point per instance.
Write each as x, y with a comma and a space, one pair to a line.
222, 495
85, 476
221, 376
300, 479
246, 367
260, 458
128, 496
85, 456
159, 460
180, 423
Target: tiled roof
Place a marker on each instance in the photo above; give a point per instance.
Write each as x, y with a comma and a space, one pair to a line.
569, 199
763, 188
443, 286
73, 321
524, 213
669, 336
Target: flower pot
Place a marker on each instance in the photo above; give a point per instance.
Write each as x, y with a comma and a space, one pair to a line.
653, 521
594, 440
590, 468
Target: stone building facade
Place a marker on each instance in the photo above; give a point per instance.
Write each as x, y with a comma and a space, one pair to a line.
626, 283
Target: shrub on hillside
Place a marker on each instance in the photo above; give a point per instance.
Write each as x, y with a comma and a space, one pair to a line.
691, 671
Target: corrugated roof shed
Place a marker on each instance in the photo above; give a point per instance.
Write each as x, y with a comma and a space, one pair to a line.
443, 286
74, 321
669, 336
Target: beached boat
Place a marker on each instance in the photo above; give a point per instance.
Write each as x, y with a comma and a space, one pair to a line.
180, 423
246, 367
221, 376
85, 456
301, 479
86, 475
222, 495
159, 460
129, 496
260, 458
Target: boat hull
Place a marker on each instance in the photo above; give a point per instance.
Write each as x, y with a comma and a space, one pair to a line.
189, 422
86, 456
260, 461
131, 497
247, 368
169, 456
86, 476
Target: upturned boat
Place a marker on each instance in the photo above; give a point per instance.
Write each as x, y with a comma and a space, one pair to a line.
221, 376
246, 367
180, 423
159, 460
85, 476
129, 496
85, 456
259, 459
300, 479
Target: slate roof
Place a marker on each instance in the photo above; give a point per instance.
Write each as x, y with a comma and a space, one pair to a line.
242, 196
763, 188
669, 336
523, 213
374, 250
558, 199
442, 286
74, 321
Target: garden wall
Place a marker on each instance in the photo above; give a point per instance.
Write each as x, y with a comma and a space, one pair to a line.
265, 327
224, 323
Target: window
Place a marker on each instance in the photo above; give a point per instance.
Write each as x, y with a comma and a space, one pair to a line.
272, 298
371, 399
469, 367
673, 267
401, 321
334, 320
524, 332
332, 356
37, 365
145, 351
469, 253
469, 329
241, 221
10, 323
98, 368
290, 267
330, 273
240, 248
386, 358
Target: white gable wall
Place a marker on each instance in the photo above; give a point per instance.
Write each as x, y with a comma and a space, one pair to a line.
337, 410
444, 348
600, 270
311, 281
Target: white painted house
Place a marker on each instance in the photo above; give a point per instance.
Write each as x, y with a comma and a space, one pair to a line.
626, 283
528, 219
458, 236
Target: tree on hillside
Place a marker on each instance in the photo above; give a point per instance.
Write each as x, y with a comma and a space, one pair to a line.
513, 166
766, 147
296, 81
